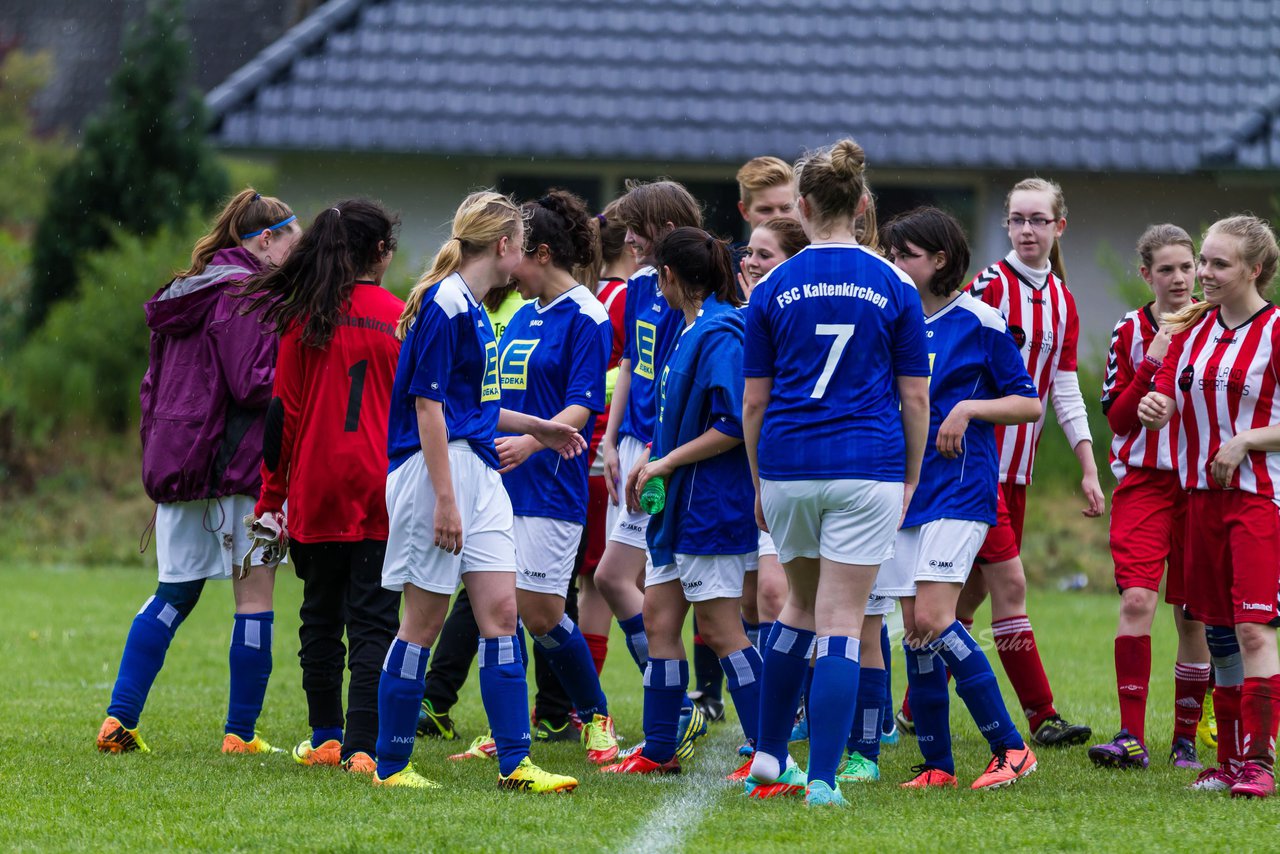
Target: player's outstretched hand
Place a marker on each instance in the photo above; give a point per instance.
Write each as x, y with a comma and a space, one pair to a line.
269, 533
448, 526
612, 469
1228, 458
760, 522
514, 450
564, 439
1153, 410
950, 440
630, 492
1093, 494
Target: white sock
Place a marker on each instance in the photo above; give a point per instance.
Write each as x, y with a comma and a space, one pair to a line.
765, 767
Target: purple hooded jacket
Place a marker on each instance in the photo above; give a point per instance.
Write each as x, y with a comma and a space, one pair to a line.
206, 390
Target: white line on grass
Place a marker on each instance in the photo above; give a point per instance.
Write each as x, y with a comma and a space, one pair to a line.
691, 795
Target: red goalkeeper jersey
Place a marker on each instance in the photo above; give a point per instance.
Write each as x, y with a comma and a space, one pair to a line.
332, 460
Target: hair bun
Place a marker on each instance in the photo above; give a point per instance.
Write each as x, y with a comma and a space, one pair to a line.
848, 159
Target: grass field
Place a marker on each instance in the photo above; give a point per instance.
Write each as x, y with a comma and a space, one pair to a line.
60, 644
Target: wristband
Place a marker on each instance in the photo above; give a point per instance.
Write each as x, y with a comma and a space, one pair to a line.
1153, 361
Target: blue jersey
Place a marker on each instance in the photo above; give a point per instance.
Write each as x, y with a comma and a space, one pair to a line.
973, 357
710, 507
449, 355
834, 326
553, 356
651, 329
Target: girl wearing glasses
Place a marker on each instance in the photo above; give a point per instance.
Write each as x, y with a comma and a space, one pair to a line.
1028, 287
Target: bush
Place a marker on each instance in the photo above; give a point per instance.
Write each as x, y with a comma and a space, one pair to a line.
81, 369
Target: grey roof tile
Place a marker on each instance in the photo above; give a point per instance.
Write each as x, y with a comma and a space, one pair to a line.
937, 83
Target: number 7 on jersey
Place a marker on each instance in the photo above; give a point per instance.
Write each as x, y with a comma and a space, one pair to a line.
843, 332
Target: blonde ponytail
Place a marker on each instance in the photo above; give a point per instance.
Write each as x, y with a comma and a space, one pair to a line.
482, 219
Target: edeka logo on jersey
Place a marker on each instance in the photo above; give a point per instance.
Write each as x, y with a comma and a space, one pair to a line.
515, 363
490, 389
826, 289
646, 342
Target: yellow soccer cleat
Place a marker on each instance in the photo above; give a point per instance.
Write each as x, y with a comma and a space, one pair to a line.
1207, 729
600, 740
407, 778
328, 753
114, 738
232, 743
530, 778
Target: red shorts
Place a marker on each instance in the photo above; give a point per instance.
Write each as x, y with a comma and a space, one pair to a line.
596, 536
1004, 540
1148, 527
1232, 570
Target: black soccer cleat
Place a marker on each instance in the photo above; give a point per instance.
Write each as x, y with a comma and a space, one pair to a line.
1056, 732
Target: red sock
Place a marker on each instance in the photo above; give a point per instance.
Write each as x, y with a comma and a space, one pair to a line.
1133, 678
1226, 708
599, 646
1258, 699
1190, 684
1016, 643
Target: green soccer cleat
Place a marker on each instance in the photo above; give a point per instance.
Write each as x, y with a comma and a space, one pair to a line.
858, 769
819, 794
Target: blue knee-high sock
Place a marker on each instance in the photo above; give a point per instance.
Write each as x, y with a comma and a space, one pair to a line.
400, 688
832, 699
637, 640
570, 657
976, 685
742, 675
506, 699
762, 636
144, 650
753, 632
930, 707
665, 681
886, 650
786, 665
250, 657
864, 736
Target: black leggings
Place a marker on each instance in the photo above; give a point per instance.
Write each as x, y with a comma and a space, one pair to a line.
342, 590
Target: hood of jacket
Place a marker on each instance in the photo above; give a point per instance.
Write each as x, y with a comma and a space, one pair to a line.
182, 306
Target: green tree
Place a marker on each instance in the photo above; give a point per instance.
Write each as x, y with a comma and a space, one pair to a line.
144, 162
26, 162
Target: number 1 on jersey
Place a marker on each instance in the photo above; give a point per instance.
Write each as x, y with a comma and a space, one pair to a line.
355, 396
842, 332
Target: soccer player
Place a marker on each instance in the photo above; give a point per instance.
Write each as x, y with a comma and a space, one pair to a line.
204, 403
1220, 376
326, 455
704, 537
449, 516
1149, 513
551, 365
833, 505
650, 212
766, 189
618, 264
1028, 287
764, 591
978, 380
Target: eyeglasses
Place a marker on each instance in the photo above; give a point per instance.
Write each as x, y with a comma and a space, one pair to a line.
1036, 222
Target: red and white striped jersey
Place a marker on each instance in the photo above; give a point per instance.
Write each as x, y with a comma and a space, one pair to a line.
1139, 447
1224, 382
1045, 326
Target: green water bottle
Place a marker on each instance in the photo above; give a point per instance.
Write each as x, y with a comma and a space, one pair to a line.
654, 495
